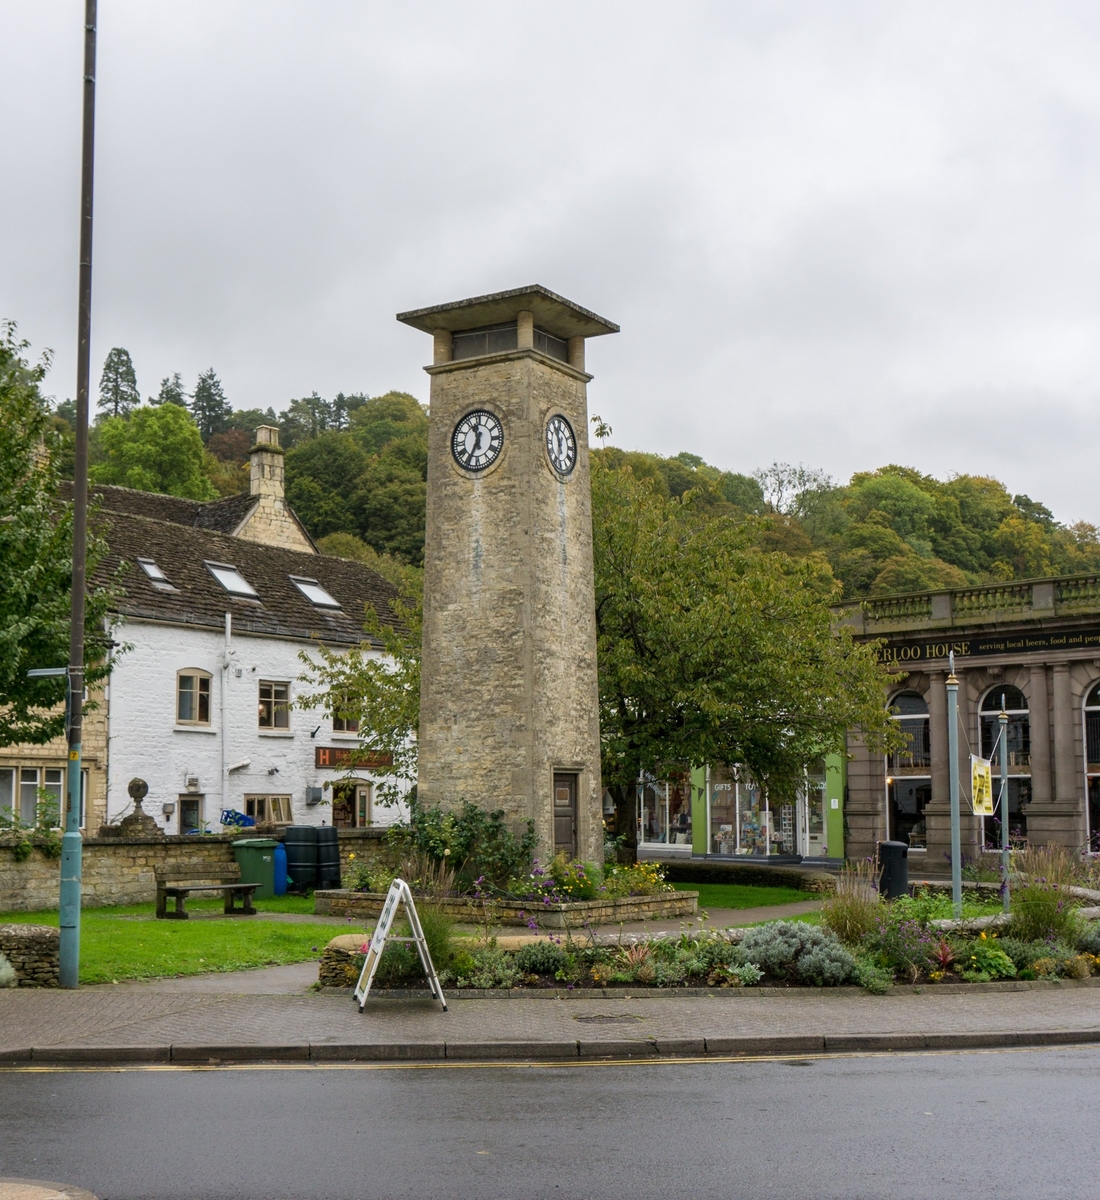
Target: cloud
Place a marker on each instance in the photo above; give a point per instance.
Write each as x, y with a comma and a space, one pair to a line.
843, 233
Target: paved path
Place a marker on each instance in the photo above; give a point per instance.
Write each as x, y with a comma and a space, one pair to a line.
195, 1020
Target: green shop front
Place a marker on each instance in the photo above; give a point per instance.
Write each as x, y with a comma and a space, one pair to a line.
718, 812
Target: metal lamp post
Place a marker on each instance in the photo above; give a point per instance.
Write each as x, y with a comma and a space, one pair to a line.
71, 841
953, 776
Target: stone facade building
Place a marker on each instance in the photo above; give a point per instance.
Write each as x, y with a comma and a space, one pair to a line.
1033, 644
218, 602
509, 715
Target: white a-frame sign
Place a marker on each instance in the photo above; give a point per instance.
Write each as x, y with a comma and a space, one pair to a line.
399, 893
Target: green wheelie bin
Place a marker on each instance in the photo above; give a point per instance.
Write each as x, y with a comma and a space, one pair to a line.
256, 858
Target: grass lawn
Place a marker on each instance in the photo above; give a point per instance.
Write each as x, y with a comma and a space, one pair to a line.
126, 942
743, 895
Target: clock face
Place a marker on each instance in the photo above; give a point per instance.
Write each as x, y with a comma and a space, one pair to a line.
561, 445
477, 440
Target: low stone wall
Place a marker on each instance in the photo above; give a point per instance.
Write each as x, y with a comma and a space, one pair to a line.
574, 915
120, 870
33, 950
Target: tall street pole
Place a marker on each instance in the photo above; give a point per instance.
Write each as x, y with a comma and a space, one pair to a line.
1003, 718
953, 754
71, 841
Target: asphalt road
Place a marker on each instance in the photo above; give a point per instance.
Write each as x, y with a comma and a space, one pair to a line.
1002, 1124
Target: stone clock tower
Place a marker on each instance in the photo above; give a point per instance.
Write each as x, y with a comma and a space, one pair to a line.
508, 703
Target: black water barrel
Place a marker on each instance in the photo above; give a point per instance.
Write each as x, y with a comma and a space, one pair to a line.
300, 842
328, 857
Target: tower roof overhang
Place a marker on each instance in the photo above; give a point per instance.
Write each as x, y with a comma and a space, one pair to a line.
552, 312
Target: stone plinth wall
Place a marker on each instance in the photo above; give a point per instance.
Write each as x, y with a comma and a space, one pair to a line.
33, 950
120, 870
574, 915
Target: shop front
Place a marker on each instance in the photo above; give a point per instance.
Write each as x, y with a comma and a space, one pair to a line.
717, 811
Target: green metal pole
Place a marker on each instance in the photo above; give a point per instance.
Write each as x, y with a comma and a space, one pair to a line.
1004, 806
72, 846
953, 754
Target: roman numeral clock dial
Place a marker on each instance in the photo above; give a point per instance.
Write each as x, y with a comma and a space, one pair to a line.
561, 445
477, 440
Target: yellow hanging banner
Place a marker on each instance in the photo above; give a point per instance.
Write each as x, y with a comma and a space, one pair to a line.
981, 784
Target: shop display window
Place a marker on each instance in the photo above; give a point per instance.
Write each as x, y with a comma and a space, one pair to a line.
664, 811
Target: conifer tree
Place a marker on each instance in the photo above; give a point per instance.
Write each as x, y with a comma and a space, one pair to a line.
118, 390
171, 391
209, 406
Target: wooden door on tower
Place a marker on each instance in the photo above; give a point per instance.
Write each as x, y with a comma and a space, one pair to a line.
565, 814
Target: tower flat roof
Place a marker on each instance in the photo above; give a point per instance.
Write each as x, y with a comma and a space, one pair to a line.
552, 312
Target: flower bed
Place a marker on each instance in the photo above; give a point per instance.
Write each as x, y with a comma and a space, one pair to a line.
575, 914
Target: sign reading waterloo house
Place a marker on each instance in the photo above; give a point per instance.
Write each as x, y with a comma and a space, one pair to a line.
1004, 643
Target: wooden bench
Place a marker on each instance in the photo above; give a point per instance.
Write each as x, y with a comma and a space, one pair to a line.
180, 882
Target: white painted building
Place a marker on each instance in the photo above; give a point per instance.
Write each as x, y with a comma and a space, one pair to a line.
201, 701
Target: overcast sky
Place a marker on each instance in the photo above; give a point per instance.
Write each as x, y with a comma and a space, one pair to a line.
844, 234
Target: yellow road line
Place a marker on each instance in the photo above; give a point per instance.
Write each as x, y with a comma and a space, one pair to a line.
525, 1064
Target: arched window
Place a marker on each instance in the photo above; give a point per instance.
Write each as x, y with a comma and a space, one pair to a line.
1092, 763
193, 697
909, 771
1019, 757
910, 710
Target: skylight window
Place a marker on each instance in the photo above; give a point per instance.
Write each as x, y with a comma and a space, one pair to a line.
232, 580
314, 592
156, 576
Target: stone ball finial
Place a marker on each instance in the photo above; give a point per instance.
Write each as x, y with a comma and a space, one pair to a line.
138, 790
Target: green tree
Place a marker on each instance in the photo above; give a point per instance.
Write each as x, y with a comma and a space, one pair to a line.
156, 450
382, 694
383, 419
118, 389
171, 391
321, 476
210, 407
36, 530
712, 650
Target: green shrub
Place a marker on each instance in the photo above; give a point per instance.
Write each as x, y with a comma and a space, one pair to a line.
640, 879
1041, 910
901, 945
1088, 938
827, 965
854, 909
492, 968
540, 958
438, 933
399, 966
875, 979
778, 948
983, 960
479, 845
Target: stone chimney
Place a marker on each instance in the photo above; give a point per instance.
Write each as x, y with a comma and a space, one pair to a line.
271, 520
267, 465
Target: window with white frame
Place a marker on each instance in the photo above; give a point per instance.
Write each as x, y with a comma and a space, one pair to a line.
232, 580
264, 809
314, 592
274, 708
341, 721
193, 697
31, 796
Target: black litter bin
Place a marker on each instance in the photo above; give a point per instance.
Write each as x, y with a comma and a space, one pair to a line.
894, 881
300, 842
328, 857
